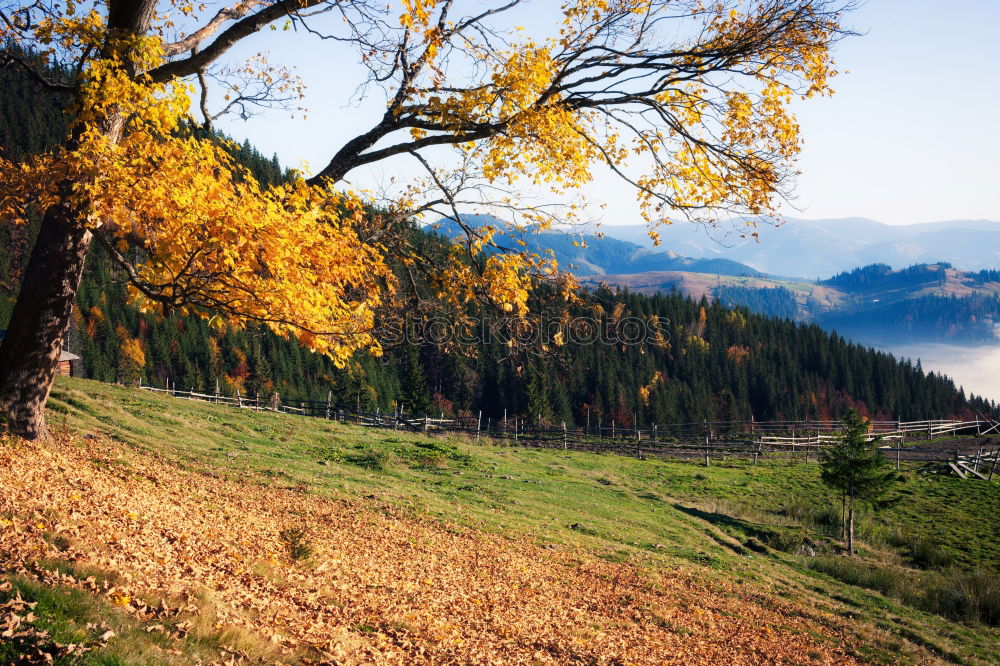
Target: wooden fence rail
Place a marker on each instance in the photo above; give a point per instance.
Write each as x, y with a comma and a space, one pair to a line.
753, 439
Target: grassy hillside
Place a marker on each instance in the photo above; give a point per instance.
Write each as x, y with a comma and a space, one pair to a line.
176, 526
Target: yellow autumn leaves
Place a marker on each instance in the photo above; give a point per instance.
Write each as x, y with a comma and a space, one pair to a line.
210, 237
703, 124
697, 142
385, 586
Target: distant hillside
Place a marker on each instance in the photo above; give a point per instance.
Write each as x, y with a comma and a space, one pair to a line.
817, 248
585, 254
924, 302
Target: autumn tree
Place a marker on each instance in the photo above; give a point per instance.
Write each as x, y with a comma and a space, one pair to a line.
856, 467
686, 101
131, 358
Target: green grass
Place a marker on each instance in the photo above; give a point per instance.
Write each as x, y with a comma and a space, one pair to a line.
61, 615
732, 520
58, 616
965, 597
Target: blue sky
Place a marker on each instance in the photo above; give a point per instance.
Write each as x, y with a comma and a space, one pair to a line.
912, 135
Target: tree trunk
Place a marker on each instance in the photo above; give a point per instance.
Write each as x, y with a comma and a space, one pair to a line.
850, 527
29, 353
843, 515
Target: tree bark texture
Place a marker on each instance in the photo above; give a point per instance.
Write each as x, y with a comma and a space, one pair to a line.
30, 350
850, 528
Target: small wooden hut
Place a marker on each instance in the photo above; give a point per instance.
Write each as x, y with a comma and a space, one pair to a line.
67, 364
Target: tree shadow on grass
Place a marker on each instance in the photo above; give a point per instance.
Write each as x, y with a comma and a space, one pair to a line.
728, 524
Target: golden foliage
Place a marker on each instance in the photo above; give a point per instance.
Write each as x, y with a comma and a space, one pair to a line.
738, 353
289, 256
710, 148
600, 89
131, 358
645, 390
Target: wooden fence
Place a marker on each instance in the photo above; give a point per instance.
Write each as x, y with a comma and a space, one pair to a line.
706, 440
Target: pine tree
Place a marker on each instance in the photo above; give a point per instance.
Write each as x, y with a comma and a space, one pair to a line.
415, 396
855, 466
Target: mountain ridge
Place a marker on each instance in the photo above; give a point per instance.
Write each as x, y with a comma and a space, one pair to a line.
820, 248
587, 255
871, 304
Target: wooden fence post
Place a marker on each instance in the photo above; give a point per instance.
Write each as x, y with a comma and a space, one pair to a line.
544, 435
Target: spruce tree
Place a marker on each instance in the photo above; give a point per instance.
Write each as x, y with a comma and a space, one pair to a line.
855, 466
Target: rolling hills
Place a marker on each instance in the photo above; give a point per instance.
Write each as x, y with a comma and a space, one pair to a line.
585, 254
872, 304
922, 302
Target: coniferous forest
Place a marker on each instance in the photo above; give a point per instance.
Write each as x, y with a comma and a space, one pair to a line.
708, 362
883, 304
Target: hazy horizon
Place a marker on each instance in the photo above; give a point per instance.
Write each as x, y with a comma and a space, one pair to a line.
972, 368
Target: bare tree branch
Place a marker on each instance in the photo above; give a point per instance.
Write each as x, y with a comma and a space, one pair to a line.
195, 39
13, 61
231, 36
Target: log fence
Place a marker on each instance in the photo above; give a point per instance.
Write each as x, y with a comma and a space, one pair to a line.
753, 439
